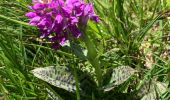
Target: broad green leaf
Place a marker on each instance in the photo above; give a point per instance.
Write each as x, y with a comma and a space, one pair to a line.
152, 90
58, 76
119, 75
52, 95
62, 77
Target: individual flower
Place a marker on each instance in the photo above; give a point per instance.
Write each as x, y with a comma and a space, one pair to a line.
59, 19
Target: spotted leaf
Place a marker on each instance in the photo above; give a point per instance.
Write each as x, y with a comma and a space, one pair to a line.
118, 76
59, 76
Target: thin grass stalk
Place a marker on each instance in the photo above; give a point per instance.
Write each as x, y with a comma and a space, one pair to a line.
14, 21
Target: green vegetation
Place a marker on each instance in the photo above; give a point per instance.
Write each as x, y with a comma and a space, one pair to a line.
126, 56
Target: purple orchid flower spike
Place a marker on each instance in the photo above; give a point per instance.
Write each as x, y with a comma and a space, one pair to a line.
56, 17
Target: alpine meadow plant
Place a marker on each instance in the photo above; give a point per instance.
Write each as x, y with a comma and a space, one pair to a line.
59, 21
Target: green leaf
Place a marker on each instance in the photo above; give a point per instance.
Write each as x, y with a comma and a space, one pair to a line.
152, 90
58, 76
62, 77
102, 4
119, 75
168, 4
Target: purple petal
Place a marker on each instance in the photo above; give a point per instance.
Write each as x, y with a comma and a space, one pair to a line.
62, 41
66, 11
56, 4
39, 6
59, 18
88, 9
36, 1
69, 2
95, 18
45, 33
31, 14
75, 31
34, 21
74, 20
42, 23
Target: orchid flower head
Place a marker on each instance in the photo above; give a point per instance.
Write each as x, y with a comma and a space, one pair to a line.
60, 18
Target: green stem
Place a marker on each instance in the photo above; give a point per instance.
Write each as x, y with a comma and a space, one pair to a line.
93, 58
